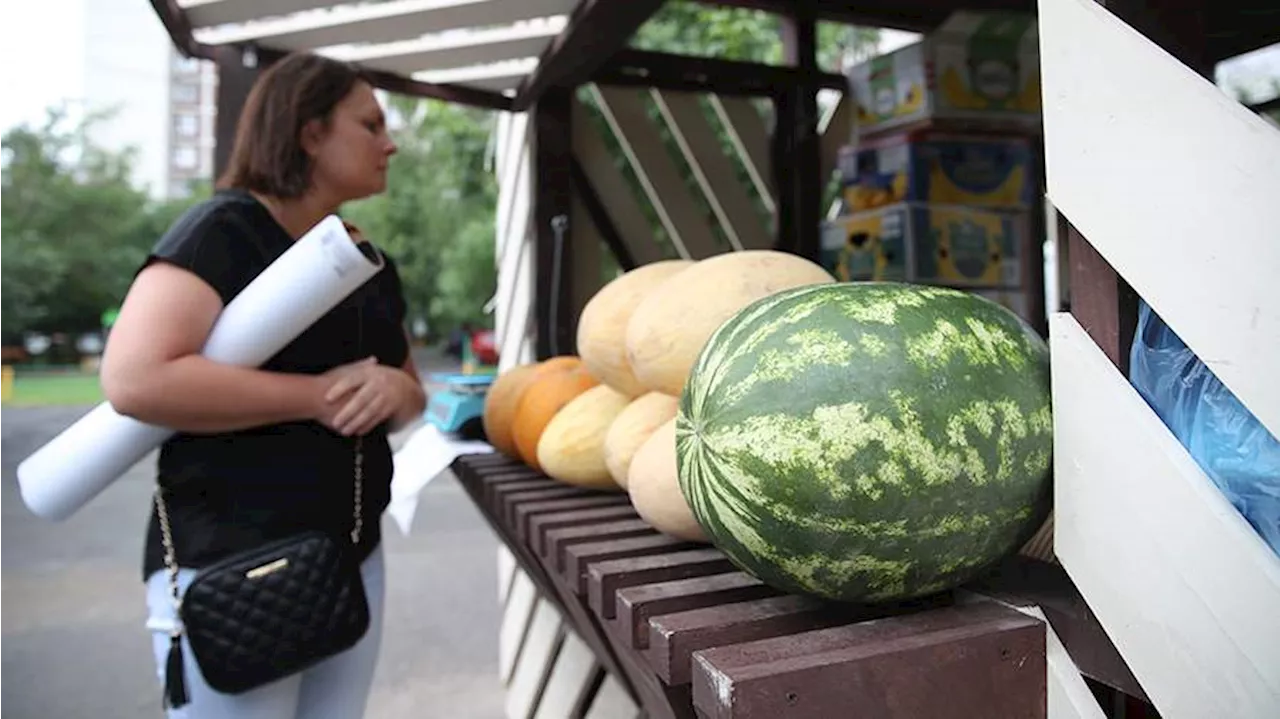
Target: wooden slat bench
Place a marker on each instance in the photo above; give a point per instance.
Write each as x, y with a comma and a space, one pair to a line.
687, 634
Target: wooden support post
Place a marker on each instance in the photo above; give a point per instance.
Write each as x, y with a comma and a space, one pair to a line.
237, 71
797, 144
596, 30
781, 163
553, 235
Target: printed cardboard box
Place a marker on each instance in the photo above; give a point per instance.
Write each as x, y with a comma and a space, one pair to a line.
949, 245
938, 168
979, 66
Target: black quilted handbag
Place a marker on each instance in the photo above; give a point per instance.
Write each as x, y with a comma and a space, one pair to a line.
269, 612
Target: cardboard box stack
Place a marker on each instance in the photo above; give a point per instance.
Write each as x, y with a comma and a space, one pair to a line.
940, 181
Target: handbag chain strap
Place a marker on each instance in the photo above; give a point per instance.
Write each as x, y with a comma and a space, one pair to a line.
357, 520
166, 533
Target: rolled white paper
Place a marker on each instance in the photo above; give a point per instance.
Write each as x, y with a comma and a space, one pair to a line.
321, 269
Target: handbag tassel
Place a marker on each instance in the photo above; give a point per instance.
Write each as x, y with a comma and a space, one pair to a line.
175, 682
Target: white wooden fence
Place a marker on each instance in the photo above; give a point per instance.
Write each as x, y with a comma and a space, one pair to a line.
1177, 187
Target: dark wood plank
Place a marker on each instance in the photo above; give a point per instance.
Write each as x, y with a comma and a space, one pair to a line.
804, 144
575, 613
235, 79
479, 483
913, 15
491, 460
504, 502
607, 577
560, 539
459, 94
488, 483
596, 30
522, 512
674, 637
551, 127
1101, 301
175, 22
579, 556
540, 524
521, 489
980, 660
635, 605
692, 73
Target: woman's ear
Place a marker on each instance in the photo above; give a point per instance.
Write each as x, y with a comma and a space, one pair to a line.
310, 136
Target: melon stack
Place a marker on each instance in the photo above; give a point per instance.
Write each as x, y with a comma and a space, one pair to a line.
862, 442
605, 419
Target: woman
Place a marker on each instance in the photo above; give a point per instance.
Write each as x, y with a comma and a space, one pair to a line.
263, 454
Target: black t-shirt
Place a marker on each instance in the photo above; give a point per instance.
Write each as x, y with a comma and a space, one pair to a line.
232, 491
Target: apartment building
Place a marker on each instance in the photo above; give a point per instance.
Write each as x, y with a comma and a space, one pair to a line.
158, 103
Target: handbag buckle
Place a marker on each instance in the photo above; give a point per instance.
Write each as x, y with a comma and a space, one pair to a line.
268, 568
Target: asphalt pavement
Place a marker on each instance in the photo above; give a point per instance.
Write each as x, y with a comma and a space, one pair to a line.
73, 605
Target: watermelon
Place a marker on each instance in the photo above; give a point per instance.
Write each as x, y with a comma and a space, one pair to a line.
868, 442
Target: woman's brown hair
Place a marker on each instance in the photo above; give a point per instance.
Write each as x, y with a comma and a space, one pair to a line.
267, 156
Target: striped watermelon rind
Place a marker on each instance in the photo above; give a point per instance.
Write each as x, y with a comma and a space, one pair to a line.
868, 442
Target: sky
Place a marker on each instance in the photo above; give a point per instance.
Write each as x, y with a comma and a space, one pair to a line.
42, 57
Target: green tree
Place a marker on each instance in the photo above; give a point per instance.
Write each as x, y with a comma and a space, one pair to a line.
436, 218
75, 230
690, 28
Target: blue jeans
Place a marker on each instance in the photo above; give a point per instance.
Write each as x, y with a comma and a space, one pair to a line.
337, 688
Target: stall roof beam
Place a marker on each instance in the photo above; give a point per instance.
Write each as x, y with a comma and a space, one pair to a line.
596, 30
178, 25
687, 73
384, 22
913, 15
460, 94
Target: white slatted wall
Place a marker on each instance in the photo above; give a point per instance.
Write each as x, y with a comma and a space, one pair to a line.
1176, 186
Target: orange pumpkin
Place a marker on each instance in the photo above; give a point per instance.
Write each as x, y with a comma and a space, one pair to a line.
504, 397
546, 395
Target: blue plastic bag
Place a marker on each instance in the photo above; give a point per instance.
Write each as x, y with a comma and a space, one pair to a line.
1226, 440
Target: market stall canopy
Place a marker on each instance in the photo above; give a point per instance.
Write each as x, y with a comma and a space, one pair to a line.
504, 54
491, 53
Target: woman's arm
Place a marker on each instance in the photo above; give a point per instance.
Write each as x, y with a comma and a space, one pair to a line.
152, 369
416, 399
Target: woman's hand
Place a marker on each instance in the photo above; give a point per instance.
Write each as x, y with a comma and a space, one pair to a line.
363, 395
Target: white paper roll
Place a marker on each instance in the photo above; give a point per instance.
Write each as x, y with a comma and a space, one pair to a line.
321, 269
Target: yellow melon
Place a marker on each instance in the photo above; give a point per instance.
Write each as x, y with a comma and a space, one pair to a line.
571, 448
654, 485
671, 325
602, 327
630, 430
